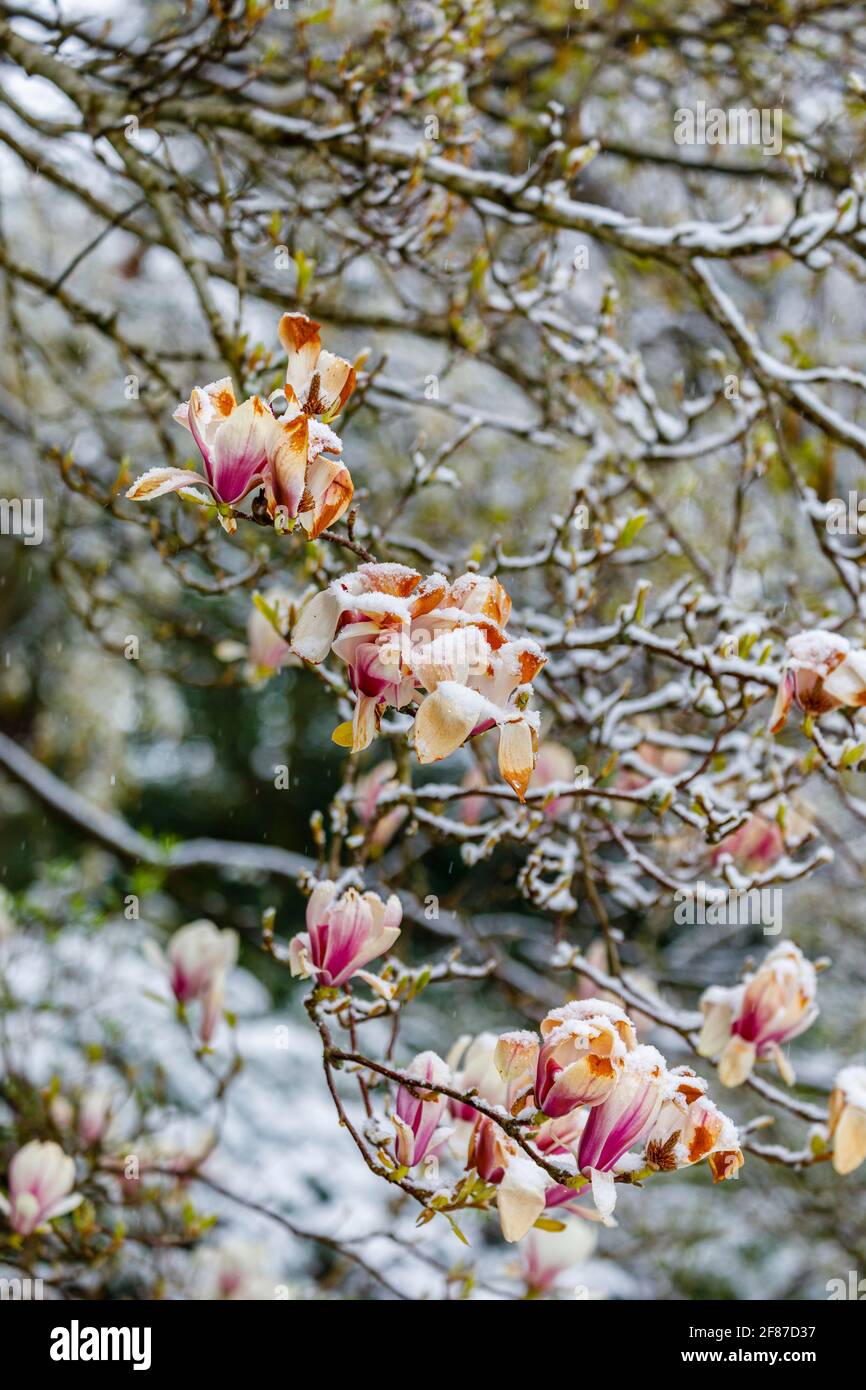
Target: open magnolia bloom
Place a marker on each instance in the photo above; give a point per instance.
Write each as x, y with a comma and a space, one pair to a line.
365, 616
690, 1127
649, 1117
848, 1119
752, 1021
401, 636
474, 1066
417, 1121
822, 673
41, 1179
477, 679
583, 1052
344, 933
317, 382
233, 441
247, 446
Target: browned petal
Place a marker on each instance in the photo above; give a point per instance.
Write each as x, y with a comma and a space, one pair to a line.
428, 597
690, 1093
530, 665
498, 604
725, 1165
296, 331
337, 498
599, 1066
700, 1143
398, 580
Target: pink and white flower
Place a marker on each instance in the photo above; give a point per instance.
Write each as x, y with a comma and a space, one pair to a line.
547, 1255
380, 826
272, 615
474, 1068
199, 959
626, 1115
848, 1119
752, 1021
690, 1127
584, 1047
822, 673
246, 446
417, 1121
233, 441
41, 1179
405, 639
344, 933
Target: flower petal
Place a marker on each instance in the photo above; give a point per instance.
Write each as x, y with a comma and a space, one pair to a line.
158, 481
445, 720
314, 631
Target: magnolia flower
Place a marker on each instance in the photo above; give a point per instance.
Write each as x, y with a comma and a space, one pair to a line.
234, 1271
821, 674
583, 1052
848, 1119
474, 1068
233, 441
522, 1183
199, 958
754, 847
477, 679
270, 620
473, 676
94, 1115
41, 1178
369, 790
417, 1119
300, 481
363, 615
344, 933
627, 1114
689, 1127
547, 1255
247, 446
753, 1020
317, 382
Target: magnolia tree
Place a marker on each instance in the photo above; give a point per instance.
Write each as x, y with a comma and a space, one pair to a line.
526, 595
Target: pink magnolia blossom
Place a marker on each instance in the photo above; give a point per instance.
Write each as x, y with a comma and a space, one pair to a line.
380, 826
94, 1115
474, 1068
199, 959
233, 441
547, 1255
584, 1047
246, 446
406, 639
41, 1179
268, 625
689, 1128
752, 1021
848, 1119
417, 1121
344, 933
822, 673
754, 847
